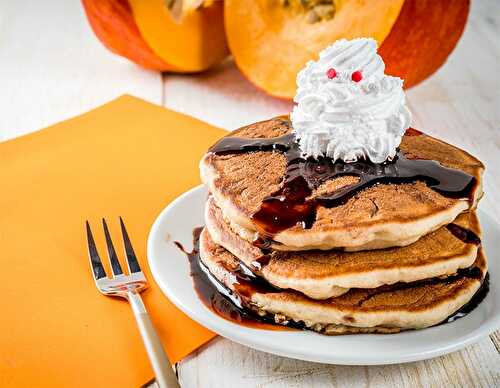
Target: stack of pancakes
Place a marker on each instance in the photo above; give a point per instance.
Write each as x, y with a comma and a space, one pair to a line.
392, 257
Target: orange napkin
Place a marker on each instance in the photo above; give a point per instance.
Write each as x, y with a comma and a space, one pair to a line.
127, 158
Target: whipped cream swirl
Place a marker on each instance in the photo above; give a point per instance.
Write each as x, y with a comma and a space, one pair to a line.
340, 118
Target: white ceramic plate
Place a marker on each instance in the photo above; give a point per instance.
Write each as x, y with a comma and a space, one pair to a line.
170, 269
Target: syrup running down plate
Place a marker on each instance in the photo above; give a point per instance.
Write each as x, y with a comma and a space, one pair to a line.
171, 270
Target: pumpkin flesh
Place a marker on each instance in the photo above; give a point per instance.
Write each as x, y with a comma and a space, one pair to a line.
146, 32
272, 40
193, 43
114, 26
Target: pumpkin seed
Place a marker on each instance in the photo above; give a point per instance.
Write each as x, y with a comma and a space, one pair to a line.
312, 17
325, 11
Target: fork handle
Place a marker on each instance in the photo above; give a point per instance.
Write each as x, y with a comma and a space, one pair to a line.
165, 376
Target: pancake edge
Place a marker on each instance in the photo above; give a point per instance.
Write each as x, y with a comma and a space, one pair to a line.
314, 313
333, 286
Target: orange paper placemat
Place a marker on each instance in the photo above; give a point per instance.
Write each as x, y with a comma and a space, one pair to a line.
127, 158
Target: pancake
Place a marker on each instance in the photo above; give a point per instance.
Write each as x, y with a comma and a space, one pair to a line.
380, 216
384, 309
324, 274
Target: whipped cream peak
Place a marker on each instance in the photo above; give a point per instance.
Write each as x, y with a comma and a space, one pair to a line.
347, 108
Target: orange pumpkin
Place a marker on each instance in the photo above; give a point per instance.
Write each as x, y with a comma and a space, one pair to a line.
271, 40
150, 34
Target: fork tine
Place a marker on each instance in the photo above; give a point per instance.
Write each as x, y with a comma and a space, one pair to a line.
113, 258
133, 264
95, 260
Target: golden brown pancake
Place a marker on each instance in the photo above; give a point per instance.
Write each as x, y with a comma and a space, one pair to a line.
324, 274
380, 216
385, 309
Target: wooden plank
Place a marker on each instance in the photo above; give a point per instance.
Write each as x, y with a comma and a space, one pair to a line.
53, 67
223, 364
221, 97
495, 338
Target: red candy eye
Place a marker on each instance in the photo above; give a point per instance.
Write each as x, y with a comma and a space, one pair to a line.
357, 76
331, 73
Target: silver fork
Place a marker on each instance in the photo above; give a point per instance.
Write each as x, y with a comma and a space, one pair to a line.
129, 287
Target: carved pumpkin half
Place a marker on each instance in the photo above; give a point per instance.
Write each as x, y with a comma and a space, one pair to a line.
271, 40
161, 35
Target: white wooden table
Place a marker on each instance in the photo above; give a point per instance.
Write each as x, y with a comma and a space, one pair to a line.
52, 67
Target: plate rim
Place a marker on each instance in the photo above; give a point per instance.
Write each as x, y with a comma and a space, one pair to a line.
219, 325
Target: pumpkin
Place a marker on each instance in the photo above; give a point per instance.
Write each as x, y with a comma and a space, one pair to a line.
271, 40
177, 36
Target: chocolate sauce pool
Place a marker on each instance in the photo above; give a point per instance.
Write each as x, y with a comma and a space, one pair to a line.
290, 204
233, 306
223, 301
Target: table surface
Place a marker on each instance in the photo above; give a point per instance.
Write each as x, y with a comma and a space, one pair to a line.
52, 67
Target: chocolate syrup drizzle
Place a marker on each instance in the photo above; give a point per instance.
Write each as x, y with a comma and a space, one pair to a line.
233, 306
291, 203
466, 235
222, 300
